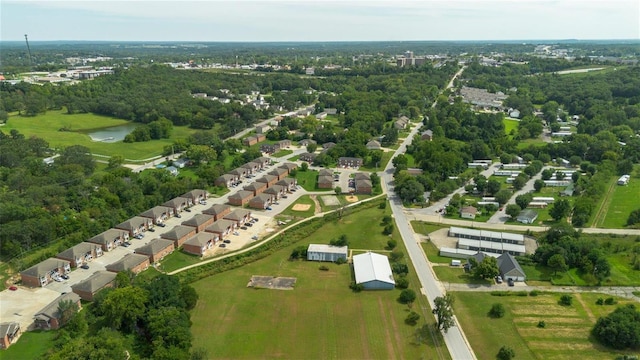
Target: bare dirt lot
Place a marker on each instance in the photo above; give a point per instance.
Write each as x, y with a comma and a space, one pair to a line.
301, 207
270, 282
352, 198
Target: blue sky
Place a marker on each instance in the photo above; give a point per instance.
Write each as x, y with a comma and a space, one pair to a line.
320, 20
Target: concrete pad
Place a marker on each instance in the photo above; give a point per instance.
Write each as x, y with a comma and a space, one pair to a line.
22, 304
330, 200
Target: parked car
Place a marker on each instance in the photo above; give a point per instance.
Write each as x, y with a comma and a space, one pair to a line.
248, 224
152, 229
255, 237
236, 233
227, 241
510, 282
13, 288
126, 244
499, 279
202, 202
65, 276
255, 219
222, 245
187, 210
162, 225
57, 278
84, 266
178, 216
284, 196
243, 227
269, 208
276, 203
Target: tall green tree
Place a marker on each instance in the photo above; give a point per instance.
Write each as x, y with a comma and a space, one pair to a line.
443, 309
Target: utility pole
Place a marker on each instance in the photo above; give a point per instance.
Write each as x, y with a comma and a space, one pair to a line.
29, 50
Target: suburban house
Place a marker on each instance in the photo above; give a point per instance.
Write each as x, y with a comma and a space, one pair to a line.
44, 272
468, 212
509, 268
134, 262
373, 145
373, 271
289, 166
427, 135
177, 204
9, 333
196, 195
88, 288
239, 216
218, 211
322, 252
156, 249
136, 225
288, 183
199, 221
222, 228
265, 161
199, 244
325, 172
49, 317
240, 198
261, 201
284, 144
306, 142
256, 187
181, 163
280, 173
328, 145
401, 123
363, 186
270, 180
308, 157
226, 180
527, 216
276, 190
179, 234
158, 214
325, 182
349, 162
110, 239
81, 253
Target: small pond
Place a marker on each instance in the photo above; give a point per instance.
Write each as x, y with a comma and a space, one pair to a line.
112, 134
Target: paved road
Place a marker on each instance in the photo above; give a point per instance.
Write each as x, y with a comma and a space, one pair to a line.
455, 340
500, 216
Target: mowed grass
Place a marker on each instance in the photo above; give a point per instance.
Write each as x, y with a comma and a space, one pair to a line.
624, 200
177, 260
282, 153
309, 180
456, 274
31, 345
566, 335
321, 318
303, 200
510, 125
47, 127
386, 156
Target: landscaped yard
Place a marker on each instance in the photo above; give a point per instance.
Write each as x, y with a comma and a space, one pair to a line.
321, 318
31, 345
566, 334
383, 163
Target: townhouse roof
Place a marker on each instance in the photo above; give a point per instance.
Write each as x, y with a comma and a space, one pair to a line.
274, 189
175, 202
325, 172
262, 197
216, 209
255, 186
242, 194
43, 267
78, 250
362, 176
127, 262
197, 220
156, 211
237, 214
154, 246
201, 239
325, 179
107, 236
178, 232
133, 223
95, 282
220, 225
267, 178
51, 311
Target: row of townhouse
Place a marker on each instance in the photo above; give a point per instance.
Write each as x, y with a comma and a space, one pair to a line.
263, 192
252, 140
272, 148
234, 176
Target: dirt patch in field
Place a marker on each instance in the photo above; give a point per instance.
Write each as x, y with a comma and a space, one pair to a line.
559, 346
301, 207
554, 321
352, 198
544, 310
270, 282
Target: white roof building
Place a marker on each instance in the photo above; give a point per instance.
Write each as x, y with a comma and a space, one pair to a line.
373, 271
322, 252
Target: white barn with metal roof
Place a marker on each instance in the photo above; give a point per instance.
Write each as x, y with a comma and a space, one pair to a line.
373, 271
322, 252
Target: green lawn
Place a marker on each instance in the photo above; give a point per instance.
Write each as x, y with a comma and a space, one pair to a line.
304, 200
566, 335
282, 153
623, 201
46, 126
433, 254
178, 259
510, 125
31, 345
386, 156
309, 180
321, 318
456, 274
425, 228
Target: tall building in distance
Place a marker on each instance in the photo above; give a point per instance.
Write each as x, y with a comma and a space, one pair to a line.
408, 59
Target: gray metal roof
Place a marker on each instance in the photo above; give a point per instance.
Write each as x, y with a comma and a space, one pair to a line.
508, 263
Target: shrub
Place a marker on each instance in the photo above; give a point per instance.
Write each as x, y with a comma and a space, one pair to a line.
412, 318
341, 261
566, 300
610, 301
402, 283
356, 287
388, 230
506, 353
522, 293
497, 311
324, 268
391, 244
619, 329
542, 324
407, 296
383, 205
599, 301
534, 293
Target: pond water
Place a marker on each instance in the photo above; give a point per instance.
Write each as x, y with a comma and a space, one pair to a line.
112, 134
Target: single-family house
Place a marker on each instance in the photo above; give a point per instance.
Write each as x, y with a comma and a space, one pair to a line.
510, 268
44, 272
325, 182
88, 288
177, 204
527, 216
373, 145
468, 212
239, 216
349, 162
261, 201
284, 144
373, 271
270, 180
196, 195
307, 157
181, 163
363, 186
427, 135
9, 333
322, 252
156, 249
281, 173
172, 170
136, 225
401, 123
158, 214
179, 234
222, 228
240, 198
199, 244
134, 262
218, 211
276, 190
110, 239
199, 221
256, 187
289, 166
50, 318
288, 183
250, 140
81, 253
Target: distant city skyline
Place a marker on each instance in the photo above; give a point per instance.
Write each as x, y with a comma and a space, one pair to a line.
328, 20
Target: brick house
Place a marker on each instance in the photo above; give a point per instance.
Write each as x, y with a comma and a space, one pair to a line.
81, 253
158, 214
239, 172
288, 183
239, 216
284, 144
363, 186
44, 272
199, 244
361, 176
270, 148
250, 140
179, 234
256, 188
218, 211
88, 288
226, 180
349, 162
240, 198
156, 249
325, 172
136, 225
325, 182
427, 135
49, 318
280, 173
199, 221
134, 262
110, 239
261, 201
270, 180
308, 157
222, 228
276, 190
289, 166
265, 161
253, 166
261, 137
196, 195
178, 204
9, 333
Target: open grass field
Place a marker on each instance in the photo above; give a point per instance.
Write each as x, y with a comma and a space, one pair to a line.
309, 180
599, 213
456, 274
46, 126
321, 318
425, 228
282, 153
31, 345
510, 125
177, 260
624, 200
296, 214
386, 156
433, 254
566, 335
